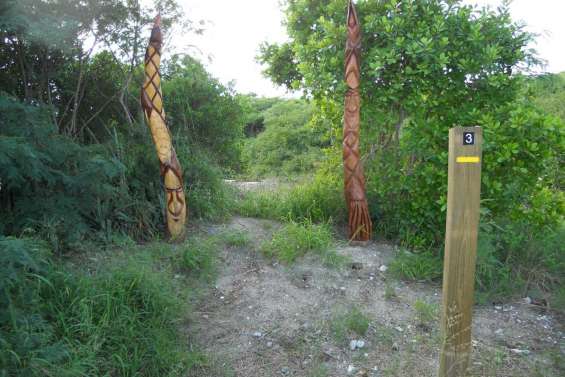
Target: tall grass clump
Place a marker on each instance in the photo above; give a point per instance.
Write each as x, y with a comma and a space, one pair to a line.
410, 266
54, 322
319, 200
198, 258
296, 239
349, 324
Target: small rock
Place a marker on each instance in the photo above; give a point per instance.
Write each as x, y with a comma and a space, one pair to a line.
497, 307
355, 344
395, 346
178, 276
383, 268
342, 288
350, 369
285, 370
499, 332
269, 344
221, 297
399, 329
362, 373
527, 300
519, 351
257, 334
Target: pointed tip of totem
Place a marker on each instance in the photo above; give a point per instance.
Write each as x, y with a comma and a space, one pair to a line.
157, 21
156, 36
351, 13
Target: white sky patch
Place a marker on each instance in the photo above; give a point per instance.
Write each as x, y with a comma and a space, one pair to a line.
233, 33
235, 28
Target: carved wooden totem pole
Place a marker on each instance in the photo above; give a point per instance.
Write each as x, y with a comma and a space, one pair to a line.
152, 102
360, 227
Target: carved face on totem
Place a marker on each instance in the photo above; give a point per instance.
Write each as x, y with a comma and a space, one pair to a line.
176, 206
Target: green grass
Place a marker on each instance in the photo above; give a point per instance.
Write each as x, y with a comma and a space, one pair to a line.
352, 322
295, 239
425, 313
318, 200
120, 320
424, 266
235, 238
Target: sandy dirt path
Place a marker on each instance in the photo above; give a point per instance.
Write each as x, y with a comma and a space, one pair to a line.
266, 319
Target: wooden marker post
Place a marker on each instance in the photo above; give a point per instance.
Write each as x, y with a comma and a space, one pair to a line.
463, 203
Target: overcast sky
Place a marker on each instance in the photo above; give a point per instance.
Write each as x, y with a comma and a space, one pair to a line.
235, 29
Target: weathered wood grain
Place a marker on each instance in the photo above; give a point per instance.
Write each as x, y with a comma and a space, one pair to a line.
463, 204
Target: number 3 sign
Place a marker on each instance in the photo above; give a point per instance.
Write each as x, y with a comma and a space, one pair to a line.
468, 138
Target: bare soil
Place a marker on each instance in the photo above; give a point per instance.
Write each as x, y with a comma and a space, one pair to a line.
266, 319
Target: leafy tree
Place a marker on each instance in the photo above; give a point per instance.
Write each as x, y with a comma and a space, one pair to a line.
427, 66
45, 60
254, 107
202, 112
281, 64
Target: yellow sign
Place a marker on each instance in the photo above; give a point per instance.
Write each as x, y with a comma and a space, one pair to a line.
468, 159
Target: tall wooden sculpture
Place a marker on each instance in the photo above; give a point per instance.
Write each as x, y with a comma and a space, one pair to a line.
152, 102
360, 227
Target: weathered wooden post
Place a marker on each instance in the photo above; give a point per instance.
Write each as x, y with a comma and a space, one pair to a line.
463, 203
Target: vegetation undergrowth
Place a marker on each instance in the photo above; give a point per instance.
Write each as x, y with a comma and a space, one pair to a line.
412, 95
314, 200
425, 313
348, 324
121, 318
295, 239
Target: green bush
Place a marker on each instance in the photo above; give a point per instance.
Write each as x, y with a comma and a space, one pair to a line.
58, 323
202, 114
51, 183
288, 146
429, 66
69, 192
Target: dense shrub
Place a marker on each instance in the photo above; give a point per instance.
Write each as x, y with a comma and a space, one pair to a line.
69, 191
55, 322
202, 113
428, 66
50, 182
288, 145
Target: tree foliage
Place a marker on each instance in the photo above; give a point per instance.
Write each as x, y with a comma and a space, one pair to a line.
289, 145
428, 66
72, 132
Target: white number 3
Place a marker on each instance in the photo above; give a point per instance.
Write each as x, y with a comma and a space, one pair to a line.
468, 138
